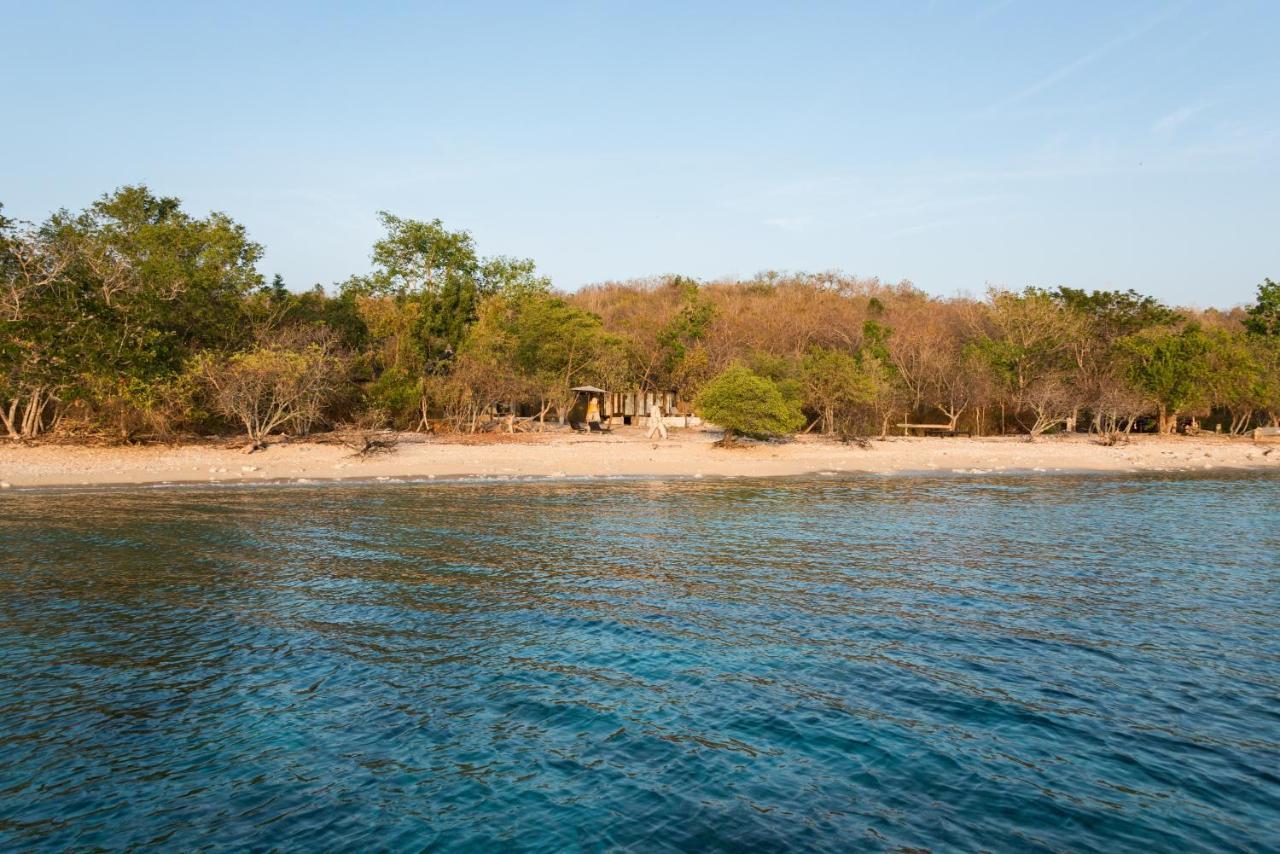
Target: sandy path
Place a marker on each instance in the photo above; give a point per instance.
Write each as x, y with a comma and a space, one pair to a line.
626, 453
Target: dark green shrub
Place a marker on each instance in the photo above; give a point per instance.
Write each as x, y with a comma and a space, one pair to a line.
747, 404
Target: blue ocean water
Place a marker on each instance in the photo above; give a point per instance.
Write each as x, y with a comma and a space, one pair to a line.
1011, 664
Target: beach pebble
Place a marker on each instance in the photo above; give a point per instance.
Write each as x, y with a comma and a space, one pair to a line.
248, 468
4, 484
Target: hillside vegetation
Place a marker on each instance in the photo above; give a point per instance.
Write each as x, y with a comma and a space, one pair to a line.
133, 319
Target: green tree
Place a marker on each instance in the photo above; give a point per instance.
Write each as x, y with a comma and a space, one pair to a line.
1232, 376
38, 318
747, 404
548, 343
277, 291
1115, 314
1266, 389
395, 398
1263, 317
105, 307
1170, 368
783, 371
1098, 382
836, 387
686, 328
171, 284
1026, 344
435, 281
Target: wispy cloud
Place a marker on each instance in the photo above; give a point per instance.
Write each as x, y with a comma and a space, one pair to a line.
1172, 121
1086, 59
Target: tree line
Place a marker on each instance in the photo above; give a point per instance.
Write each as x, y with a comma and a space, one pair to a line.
133, 319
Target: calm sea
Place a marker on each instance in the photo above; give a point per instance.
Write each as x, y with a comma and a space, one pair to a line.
1013, 664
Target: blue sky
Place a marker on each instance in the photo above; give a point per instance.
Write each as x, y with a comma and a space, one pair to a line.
1098, 145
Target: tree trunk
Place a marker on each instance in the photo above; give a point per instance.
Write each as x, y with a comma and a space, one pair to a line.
27, 421
8, 416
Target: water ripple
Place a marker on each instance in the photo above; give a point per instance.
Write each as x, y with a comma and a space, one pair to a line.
1010, 664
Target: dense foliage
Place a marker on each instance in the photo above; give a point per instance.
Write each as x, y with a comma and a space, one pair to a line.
745, 403
135, 319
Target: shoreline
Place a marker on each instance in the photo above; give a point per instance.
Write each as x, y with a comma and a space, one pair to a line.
584, 480
625, 453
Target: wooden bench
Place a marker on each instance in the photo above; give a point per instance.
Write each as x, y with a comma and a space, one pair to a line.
940, 429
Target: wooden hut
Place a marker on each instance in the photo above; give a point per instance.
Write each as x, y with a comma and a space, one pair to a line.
630, 407
633, 406
583, 396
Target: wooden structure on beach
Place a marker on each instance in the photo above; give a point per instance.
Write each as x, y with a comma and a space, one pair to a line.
940, 429
633, 406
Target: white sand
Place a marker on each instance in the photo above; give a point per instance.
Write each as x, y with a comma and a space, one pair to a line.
689, 453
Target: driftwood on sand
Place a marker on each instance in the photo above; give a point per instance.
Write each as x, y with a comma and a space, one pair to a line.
363, 443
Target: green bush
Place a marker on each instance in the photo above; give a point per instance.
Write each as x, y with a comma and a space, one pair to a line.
395, 395
745, 403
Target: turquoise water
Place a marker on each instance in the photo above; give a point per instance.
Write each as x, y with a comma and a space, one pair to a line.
1013, 664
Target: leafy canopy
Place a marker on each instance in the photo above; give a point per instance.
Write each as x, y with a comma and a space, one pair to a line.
550, 344
1264, 315
836, 385
1170, 367
1114, 314
745, 403
436, 281
126, 291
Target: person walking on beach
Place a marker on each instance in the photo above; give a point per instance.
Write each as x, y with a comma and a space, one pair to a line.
656, 423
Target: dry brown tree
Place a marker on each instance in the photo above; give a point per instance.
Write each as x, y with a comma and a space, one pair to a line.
274, 386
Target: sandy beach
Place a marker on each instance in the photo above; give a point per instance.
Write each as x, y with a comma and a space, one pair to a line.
688, 453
